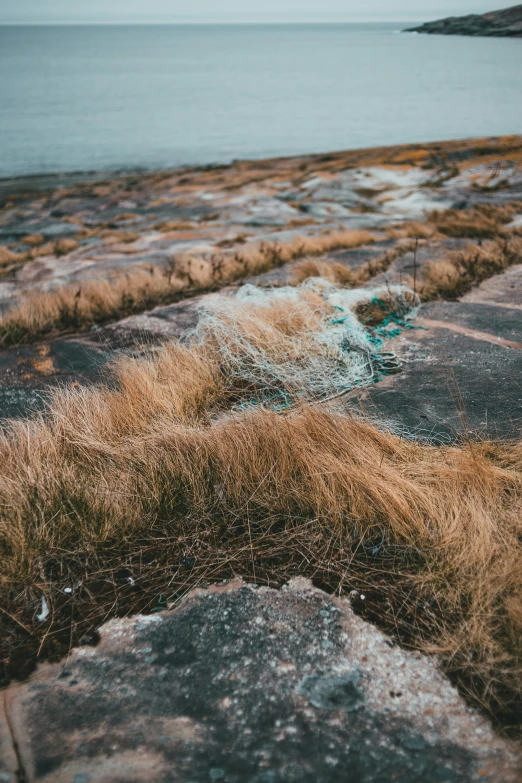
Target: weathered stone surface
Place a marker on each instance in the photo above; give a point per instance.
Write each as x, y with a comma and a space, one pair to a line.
461, 374
9, 765
240, 684
28, 373
164, 321
504, 23
51, 230
462, 370
504, 290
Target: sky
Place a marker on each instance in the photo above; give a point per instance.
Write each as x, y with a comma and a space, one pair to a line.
163, 11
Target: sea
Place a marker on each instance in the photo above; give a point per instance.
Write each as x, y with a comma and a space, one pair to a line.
106, 98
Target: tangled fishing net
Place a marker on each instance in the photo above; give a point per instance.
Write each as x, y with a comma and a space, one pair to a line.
310, 342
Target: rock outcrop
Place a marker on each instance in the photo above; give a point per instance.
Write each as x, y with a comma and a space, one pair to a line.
240, 684
506, 23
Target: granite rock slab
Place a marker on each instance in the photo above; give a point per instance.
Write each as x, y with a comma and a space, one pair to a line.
238, 684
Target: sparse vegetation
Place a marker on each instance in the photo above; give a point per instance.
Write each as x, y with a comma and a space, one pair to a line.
126, 216
343, 275
411, 230
8, 256
64, 246
256, 258
456, 274
174, 225
443, 175
300, 222
33, 240
113, 236
448, 278
78, 307
37, 251
484, 221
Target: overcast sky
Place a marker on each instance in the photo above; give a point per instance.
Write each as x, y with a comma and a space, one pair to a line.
49, 11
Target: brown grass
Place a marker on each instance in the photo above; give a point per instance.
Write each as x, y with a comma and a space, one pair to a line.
342, 275
126, 216
8, 256
457, 274
300, 222
256, 258
238, 239
411, 230
174, 225
449, 278
33, 240
37, 251
482, 222
63, 246
113, 236
136, 489
78, 307
39, 248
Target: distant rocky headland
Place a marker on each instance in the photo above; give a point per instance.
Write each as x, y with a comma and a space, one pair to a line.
505, 23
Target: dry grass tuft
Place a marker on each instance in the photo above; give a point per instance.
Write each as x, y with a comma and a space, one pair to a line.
78, 307
33, 240
125, 216
174, 225
484, 221
449, 278
37, 251
333, 271
8, 256
63, 246
39, 247
300, 222
326, 243
124, 492
256, 258
455, 275
411, 230
113, 236
342, 275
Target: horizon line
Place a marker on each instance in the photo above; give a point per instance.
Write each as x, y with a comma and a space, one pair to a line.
183, 22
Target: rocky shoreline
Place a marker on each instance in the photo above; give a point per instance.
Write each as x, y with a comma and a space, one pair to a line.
506, 23
273, 678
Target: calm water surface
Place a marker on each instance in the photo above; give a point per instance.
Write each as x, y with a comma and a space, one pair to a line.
84, 98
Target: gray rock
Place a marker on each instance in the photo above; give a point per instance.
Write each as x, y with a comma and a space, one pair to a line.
461, 374
236, 684
59, 230
48, 230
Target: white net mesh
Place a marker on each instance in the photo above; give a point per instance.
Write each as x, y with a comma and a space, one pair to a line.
297, 343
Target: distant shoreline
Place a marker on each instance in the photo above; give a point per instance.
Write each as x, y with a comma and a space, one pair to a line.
46, 182
367, 22
34, 183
